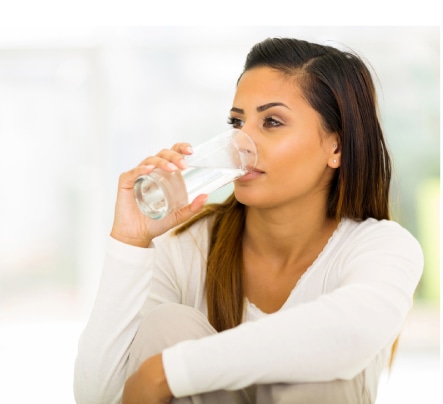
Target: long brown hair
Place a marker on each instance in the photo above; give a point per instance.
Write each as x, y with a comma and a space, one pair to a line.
339, 87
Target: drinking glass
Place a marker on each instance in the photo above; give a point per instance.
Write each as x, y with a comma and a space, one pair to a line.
213, 164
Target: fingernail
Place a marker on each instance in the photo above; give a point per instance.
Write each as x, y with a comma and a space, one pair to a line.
184, 163
189, 149
171, 167
150, 166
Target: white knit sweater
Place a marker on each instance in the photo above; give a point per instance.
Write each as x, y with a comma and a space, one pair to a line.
341, 318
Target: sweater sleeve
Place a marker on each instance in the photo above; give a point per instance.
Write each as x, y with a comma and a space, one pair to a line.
103, 346
334, 336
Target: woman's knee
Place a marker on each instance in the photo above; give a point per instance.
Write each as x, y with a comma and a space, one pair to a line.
163, 326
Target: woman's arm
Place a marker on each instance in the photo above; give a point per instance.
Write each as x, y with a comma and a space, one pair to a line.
335, 336
148, 385
104, 344
103, 347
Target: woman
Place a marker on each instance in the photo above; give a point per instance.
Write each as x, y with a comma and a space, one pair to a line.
292, 291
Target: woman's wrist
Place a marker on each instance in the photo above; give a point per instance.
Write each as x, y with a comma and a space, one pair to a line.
153, 369
148, 384
133, 241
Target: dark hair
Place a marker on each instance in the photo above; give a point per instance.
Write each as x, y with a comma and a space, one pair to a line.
339, 87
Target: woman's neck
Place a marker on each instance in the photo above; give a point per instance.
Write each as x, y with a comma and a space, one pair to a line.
275, 233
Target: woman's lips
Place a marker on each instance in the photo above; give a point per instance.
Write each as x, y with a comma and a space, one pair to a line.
251, 174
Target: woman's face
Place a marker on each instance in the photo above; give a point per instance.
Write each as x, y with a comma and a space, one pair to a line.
296, 155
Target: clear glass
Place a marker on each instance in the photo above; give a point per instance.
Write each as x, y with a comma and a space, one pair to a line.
215, 163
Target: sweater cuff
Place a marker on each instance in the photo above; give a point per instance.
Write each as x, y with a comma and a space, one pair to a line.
176, 372
128, 253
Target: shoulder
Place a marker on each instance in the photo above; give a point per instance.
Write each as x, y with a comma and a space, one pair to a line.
380, 241
373, 229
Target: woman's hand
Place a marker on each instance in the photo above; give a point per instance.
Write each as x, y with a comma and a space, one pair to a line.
148, 385
130, 225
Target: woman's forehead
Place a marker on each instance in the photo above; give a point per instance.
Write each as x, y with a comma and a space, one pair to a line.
268, 85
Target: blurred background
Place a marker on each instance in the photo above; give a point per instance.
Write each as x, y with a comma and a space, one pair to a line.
80, 105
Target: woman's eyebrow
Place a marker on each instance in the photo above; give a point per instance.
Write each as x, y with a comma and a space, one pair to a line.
270, 105
261, 108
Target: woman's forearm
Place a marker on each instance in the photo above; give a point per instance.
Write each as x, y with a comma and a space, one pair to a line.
100, 367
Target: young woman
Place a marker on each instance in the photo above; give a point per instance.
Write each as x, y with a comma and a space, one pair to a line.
294, 289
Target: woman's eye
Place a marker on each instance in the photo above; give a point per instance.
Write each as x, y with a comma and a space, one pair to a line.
270, 122
235, 122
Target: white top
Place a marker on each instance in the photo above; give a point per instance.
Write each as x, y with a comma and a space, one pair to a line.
342, 316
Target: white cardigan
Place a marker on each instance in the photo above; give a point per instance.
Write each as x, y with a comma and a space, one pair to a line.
341, 318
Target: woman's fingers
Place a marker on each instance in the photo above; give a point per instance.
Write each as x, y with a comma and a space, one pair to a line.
182, 148
182, 215
170, 159
128, 178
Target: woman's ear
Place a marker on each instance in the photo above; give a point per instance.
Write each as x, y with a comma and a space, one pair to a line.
334, 159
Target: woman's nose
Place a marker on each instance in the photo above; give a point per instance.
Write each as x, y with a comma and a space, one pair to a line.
248, 149
250, 131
